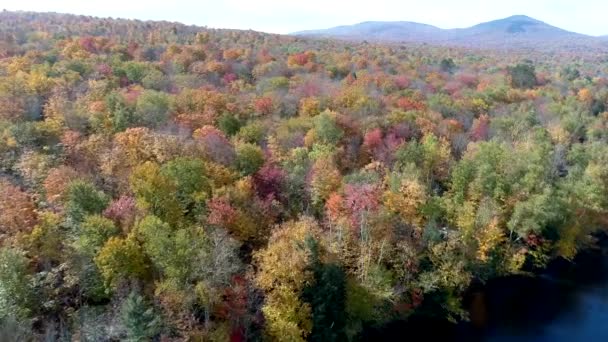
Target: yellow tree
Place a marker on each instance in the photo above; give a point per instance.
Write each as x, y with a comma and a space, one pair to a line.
120, 259
407, 201
283, 274
325, 180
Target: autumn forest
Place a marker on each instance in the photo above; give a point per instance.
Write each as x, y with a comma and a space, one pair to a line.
168, 182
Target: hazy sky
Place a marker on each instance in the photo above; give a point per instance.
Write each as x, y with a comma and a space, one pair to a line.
284, 16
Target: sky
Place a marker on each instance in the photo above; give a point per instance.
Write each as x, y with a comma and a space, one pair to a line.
285, 16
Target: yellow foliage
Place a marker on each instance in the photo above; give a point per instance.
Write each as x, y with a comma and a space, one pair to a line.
326, 179
479, 106
287, 318
558, 134
121, 258
567, 244
283, 273
309, 107
407, 202
584, 95
219, 174
466, 216
488, 239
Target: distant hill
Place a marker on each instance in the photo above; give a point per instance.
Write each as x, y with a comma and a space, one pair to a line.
512, 32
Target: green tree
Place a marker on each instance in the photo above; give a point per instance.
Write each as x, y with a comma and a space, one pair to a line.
447, 65
16, 293
249, 158
228, 124
84, 199
139, 319
192, 184
152, 108
327, 298
326, 129
174, 252
522, 76
94, 231
156, 192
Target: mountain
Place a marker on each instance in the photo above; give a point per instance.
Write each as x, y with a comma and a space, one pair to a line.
380, 30
514, 31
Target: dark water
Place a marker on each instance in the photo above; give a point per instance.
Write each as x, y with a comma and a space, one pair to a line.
567, 302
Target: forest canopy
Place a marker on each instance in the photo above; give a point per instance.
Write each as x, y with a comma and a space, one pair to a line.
167, 181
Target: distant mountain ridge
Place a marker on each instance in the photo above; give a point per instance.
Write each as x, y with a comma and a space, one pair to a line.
514, 31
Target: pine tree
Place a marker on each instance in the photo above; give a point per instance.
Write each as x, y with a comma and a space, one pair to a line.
139, 319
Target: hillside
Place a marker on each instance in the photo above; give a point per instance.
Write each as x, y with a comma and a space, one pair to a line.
165, 182
513, 32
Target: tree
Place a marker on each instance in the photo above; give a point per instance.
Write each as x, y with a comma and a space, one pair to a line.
17, 209
283, 272
174, 252
47, 239
56, 183
122, 212
121, 259
361, 200
327, 298
269, 181
215, 144
93, 233
152, 108
447, 65
16, 292
84, 199
325, 179
249, 158
522, 76
192, 183
481, 128
326, 129
139, 319
407, 200
263, 105
229, 124
156, 192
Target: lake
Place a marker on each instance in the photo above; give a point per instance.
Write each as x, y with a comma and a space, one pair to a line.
566, 302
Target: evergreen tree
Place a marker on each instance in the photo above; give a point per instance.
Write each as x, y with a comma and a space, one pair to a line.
140, 320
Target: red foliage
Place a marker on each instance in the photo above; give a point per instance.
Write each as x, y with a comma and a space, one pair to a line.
88, 44
264, 56
122, 211
132, 49
309, 89
234, 307
221, 212
373, 139
268, 181
230, 77
480, 129
56, 182
406, 103
469, 80
333, 206
360, 199
104, 69
17, 209
215, 144
453, 87
131, 94
402, 82
263, 105
299, 59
